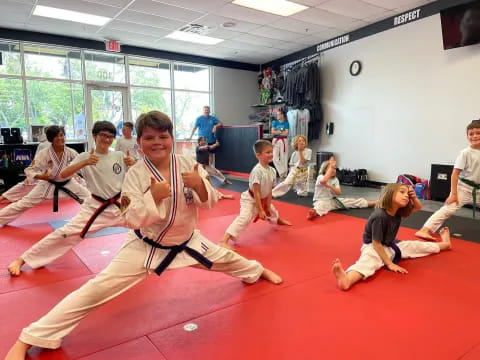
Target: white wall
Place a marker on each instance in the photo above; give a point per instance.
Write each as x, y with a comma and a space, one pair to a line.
409, 106
234, 92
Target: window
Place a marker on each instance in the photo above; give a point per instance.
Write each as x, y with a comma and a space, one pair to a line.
149, 73
105, 67
52, 62
147, 99
50, 103
12, 112
10, 59
192, 93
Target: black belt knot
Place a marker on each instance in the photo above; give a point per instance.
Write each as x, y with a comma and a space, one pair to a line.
60, 185
105, 203
174, 251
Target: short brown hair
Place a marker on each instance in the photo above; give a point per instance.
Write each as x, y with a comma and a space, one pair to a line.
385, 201
475, 124
154, 119
261, 145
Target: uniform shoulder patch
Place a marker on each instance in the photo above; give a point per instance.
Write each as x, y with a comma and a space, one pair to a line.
124, 202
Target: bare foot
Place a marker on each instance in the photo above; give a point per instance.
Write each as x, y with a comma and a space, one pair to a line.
425, 234
343, 282
269, 275
281, 221
225, 196
445, 235
18, 351
15, 267
312, 214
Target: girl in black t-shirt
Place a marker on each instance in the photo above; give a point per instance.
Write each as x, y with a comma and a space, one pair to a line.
380, 246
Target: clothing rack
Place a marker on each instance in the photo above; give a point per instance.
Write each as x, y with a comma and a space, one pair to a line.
304, 60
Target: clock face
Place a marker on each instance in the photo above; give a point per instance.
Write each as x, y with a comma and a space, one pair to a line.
355, 67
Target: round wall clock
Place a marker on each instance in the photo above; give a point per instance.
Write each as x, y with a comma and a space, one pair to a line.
355, 68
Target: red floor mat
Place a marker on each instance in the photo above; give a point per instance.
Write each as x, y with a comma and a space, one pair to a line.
14, 241
67, 208
314, 320
138, 349
97, 252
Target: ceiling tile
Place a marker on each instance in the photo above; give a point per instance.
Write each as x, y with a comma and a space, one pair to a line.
352, 8
22, 1
216, 21
221, 33
297, 26
151, 20
290, 46
60, 27
325, 18
391, 4
241, 46
82, 6
311, 40
254, 39
246, 14
329, 33
137, 28
13, 11
117, 3
311, 2
201, 6
170, 44
378, 17
273, 33
165, 10
126, 36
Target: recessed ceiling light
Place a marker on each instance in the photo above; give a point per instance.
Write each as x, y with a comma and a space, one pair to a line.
194, 38
228, 24
277, 7
68, 15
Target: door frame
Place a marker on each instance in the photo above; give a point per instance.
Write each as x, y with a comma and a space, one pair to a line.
88, 102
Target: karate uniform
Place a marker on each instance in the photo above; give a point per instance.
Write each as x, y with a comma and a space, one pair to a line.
129, 145
104, 180
297, 176
469, 162
280, 148
21, 189
265, 177
324, 201
169, 222
45, 160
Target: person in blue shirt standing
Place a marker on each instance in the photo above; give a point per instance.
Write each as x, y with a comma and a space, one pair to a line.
207, 126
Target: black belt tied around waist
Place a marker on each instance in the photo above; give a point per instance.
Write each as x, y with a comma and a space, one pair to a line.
104, 204
398, 252
60, 185
475, 187
174, 251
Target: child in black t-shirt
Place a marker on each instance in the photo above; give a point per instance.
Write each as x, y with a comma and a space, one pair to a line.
380, 246
202, 151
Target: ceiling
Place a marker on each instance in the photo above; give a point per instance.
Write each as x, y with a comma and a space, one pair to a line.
256, 38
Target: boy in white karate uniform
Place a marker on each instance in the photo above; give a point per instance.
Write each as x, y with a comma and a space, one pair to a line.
256, 202
104, 172
47, 169
21, 189
159, 200
465, 182
327, 190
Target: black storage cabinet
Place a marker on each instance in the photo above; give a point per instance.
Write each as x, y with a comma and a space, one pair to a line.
440, 177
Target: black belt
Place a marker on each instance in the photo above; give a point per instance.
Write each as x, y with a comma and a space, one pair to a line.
59, 185
100, 209
398, 252
174, 251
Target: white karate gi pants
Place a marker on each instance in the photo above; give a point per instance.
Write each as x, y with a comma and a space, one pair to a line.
248, 211
280, 155
126, 270
212, 171
298, 178
63, 239
369, 260
464, 194
323, 207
